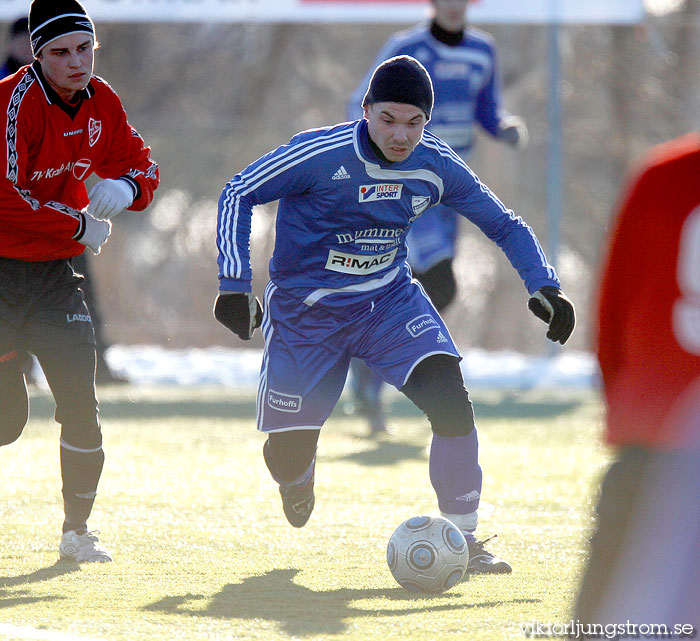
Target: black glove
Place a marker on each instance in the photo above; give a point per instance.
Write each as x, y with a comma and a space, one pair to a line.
550, 305
240, 312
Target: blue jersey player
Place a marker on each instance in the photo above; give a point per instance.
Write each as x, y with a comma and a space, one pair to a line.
462, 62
340, 286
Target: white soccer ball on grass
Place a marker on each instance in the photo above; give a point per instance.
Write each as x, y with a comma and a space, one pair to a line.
427, 554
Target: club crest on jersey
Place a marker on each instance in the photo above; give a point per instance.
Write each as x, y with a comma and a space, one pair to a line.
421, 324
283, 402
419, 204
382, 191
94, 131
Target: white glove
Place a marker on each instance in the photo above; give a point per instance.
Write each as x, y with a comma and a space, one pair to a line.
108, 197
95, 233
513, 130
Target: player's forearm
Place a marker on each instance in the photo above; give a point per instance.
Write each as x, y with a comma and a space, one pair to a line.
146, 178
518, 242
524, 252
58, 221
233, 240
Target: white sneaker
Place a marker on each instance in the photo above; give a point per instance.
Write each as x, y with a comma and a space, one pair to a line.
83, 548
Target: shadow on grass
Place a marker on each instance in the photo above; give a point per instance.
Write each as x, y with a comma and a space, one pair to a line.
302, 612
43, 406
507, 405
513, 406
9, 598
385, 453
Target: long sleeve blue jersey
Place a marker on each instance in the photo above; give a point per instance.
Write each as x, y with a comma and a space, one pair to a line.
466, 82
343, 215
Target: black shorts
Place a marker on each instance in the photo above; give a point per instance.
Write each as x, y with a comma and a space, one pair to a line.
40, 304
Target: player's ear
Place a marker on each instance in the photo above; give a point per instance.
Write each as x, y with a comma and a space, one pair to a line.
365, 111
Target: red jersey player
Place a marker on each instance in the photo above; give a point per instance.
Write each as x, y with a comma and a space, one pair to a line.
645, 554
63, 124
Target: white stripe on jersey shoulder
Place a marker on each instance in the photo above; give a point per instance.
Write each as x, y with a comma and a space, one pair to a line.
375, 171
247, 181
318, 144
464, 53
431, 140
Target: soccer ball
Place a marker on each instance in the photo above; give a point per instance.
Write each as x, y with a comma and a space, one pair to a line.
427, 554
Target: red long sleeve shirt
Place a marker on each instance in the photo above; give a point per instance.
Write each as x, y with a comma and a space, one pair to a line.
51, 148
648, 336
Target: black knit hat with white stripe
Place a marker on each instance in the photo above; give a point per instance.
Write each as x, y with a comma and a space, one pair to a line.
51, 19
401, 79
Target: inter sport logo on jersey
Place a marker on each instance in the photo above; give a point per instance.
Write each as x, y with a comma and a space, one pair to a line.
358, 264
383, 191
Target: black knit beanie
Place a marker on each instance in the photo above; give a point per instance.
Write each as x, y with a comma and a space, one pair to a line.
401, 79
51, 19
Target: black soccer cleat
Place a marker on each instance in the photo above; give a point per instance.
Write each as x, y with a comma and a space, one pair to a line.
483, 562
297, 500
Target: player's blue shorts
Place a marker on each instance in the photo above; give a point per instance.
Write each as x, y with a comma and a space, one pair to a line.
432, 238
308, 349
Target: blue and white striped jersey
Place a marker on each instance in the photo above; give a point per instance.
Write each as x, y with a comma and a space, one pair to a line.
465, 77
343, 215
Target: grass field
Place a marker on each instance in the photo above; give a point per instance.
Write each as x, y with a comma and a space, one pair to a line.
203, 552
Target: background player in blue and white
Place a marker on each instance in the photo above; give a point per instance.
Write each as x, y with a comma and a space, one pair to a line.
340, 286
463, 64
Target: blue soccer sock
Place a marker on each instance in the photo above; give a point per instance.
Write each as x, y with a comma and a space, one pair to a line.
456, 477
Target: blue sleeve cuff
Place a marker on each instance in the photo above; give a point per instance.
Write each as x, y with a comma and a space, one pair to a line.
535, 285
233, 285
